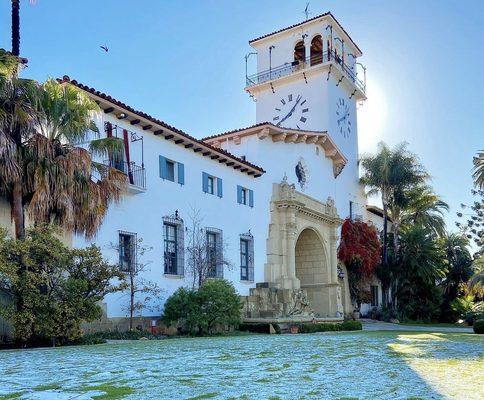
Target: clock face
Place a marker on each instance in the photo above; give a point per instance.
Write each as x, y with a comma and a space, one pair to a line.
291, 112
343, 117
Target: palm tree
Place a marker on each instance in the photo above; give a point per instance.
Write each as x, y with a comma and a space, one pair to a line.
476, 282
390, 172
478, 174
425, 208
459, 264
41, 170
419, 265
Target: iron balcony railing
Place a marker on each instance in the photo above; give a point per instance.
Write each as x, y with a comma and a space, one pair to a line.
296, 66
136, 174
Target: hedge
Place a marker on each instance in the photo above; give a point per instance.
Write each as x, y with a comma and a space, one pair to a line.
479, 326
329, 327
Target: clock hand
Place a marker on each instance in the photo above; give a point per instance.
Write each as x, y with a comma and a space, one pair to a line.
290, 112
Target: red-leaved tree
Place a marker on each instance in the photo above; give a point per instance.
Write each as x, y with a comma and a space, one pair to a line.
360, 251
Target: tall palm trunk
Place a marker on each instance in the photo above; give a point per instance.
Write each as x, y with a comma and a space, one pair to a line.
16, 27
16, 200
18, 210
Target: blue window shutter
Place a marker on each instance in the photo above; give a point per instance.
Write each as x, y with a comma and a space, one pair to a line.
162, 167
239, 194
251, 198
181, 173
204, 182
219, 187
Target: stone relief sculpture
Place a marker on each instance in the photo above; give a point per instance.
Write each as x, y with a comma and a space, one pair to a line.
300, 304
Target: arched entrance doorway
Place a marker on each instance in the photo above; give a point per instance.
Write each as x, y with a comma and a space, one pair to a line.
312, 270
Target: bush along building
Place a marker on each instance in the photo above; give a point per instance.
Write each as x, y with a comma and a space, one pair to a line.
259, 206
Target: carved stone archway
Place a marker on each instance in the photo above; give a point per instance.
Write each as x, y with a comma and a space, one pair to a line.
312, 270
295, 215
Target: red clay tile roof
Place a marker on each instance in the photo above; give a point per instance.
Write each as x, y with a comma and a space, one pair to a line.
148, 117
304, 22
255, 126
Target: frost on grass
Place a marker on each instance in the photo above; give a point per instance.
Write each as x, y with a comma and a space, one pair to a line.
361, 365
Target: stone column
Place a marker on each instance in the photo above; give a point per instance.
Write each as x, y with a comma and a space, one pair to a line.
334, 254
291, 248
307, 45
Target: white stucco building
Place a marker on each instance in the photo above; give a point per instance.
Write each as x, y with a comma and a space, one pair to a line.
272, 196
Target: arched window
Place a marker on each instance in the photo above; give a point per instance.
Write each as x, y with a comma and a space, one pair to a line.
316, 50
299, 52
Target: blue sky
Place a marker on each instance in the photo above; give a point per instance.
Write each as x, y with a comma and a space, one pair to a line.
183, 62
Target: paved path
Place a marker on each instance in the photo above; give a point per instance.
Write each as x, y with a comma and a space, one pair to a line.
370, 325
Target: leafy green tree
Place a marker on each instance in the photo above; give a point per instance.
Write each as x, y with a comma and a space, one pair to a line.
478, 173
201, 311
471, 222
59, 287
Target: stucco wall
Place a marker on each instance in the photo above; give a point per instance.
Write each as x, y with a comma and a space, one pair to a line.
142, 214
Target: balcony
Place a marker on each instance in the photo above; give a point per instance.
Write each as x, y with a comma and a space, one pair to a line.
136, 174
326, 58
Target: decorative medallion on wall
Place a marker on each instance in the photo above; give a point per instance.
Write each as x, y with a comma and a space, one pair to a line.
302, 174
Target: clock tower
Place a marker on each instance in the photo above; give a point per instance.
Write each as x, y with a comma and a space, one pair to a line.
308, 78
306, 88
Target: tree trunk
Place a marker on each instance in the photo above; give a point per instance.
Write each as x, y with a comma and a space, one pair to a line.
18, 210
16, 27
385, 229
131, 300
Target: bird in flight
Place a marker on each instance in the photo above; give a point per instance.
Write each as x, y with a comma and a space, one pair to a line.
105, 48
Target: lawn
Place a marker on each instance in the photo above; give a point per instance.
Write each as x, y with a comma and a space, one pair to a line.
363, 365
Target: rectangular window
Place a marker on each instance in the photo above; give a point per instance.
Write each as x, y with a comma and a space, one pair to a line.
246, 257
170, 248
374, 296
172, 171
245, 196
127, 251
211, 185
212, 254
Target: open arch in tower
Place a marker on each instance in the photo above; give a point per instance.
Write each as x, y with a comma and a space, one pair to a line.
316, 50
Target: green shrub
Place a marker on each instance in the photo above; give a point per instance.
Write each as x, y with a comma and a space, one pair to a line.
473, 316
201, 311
125, 335
330, 327
479, 326
351, 326
90, 339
